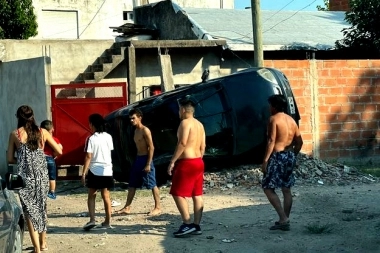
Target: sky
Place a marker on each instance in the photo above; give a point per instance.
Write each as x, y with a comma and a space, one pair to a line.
291, 5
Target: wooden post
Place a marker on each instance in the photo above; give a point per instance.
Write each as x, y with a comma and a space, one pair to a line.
257, 34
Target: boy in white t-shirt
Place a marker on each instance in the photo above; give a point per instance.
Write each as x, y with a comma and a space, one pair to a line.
98, 167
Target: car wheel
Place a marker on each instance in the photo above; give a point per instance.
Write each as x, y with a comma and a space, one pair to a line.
17, 240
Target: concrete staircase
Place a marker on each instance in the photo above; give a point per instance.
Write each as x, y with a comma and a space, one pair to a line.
104, 64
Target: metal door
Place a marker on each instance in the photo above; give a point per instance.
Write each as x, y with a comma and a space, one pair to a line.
71, 106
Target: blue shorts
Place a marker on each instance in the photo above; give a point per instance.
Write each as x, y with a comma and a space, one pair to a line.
52, 169
139, 178
280, 170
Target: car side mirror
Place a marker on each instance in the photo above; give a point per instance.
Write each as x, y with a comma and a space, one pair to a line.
13, 182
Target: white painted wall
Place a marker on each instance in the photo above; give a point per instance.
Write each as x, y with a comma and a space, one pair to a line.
85, 19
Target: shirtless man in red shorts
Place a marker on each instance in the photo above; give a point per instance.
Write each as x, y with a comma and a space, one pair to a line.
284, 143
187, 168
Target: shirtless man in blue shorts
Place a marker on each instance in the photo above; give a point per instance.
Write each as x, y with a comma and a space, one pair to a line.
143, 173
284, 143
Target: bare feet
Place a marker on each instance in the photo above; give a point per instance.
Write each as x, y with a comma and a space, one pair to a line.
154, 212
124, 211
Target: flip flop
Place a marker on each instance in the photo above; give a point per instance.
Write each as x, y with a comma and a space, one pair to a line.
278, 223
281, 226
44, 249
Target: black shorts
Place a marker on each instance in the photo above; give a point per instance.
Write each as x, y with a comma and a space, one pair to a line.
99, 182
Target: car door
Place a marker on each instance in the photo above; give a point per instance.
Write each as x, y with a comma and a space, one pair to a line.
5, 219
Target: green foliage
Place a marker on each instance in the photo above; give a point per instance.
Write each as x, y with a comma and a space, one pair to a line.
364, 33
325, 6
17, 19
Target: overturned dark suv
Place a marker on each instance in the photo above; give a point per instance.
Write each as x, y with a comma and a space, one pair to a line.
233, 109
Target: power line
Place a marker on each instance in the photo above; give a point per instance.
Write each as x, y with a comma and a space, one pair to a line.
279, 10
290, 16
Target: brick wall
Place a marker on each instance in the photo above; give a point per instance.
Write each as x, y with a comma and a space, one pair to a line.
339, 105
339, 5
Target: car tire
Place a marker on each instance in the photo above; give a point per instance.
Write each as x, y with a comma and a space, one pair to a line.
16, 244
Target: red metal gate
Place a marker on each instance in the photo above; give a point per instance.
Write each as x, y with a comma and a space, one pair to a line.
71, 106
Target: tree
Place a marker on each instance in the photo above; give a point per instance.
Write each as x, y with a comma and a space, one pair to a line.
17, 19
325, 6
364, 33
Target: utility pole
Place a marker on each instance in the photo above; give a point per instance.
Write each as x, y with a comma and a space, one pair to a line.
257, 34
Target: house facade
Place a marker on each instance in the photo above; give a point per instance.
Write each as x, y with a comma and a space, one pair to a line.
72, 19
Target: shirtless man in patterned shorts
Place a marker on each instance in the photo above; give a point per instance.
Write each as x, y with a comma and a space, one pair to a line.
284, 143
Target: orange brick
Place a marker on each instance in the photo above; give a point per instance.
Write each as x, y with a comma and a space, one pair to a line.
325, 145
374, 124
354, 99
358, 107
292, 64
344, 153
351, 81
357, 72
330, 100
376, 81
346, 72
344, 135
369, 115
364, 63
335, 72
364, 90
375, 63
329, 64
324, 73
355, 135
331, 136
371, 107
298, 73
335, 90
352, 63
333, 154
365, 99
375, 98
337, 144
279, 63
364, 81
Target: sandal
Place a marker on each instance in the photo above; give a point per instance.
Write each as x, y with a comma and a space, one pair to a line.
281, 226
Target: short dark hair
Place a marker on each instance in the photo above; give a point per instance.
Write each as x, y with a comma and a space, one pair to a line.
136, 111
47, 124
186, 101
97, 122
278, 102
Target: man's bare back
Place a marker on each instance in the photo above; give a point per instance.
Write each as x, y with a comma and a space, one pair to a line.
192, 139
286, 131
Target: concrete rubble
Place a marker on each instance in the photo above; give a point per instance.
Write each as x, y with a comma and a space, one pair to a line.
309, 170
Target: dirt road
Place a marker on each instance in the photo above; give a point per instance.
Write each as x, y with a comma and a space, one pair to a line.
324, 219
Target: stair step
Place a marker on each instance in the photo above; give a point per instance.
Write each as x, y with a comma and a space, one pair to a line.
87, 75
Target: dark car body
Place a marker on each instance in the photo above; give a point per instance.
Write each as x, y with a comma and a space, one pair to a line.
11, 221
234, 110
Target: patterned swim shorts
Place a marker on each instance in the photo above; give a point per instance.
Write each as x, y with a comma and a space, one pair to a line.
280, 170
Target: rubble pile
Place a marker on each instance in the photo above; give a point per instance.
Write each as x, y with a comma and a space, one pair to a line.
308, 170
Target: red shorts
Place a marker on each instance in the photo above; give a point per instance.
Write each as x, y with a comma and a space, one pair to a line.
187, 180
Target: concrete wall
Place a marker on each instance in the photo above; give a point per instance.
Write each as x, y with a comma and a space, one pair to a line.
184, 71
22, 82
219, 4
68, 58
94, 17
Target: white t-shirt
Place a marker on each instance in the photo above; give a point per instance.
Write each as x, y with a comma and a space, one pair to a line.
100, 146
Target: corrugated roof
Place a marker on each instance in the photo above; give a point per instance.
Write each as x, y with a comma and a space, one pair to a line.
282, 30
